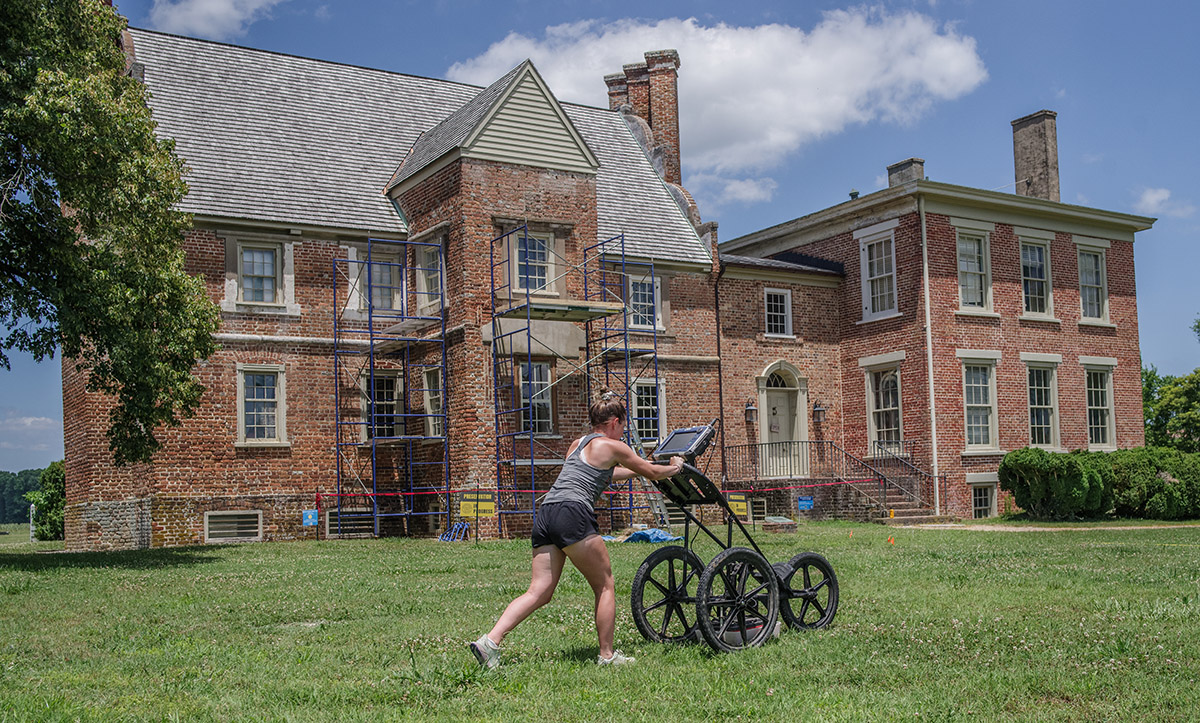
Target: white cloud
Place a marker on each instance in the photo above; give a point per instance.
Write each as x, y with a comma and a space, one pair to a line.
750, 96
214, 19
26, 424
1157, 202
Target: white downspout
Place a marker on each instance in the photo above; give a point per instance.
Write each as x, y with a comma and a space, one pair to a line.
937, 499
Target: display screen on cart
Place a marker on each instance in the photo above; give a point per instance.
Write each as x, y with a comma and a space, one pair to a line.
681, 442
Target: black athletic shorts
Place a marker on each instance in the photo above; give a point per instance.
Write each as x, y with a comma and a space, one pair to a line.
562, 524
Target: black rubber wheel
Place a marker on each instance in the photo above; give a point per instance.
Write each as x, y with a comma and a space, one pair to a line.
664, 595
738, 600
808, 599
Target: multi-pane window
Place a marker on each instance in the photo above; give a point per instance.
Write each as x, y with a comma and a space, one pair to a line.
1091, 284
535, 395
533, 262
429, 280
384, 413
1099, 407
880, 277
983, 501
885, 406
385, 280
1035, 278
433, 403
645, 302
260, 270
260, 405
778, 303
972, 271
646, 417
1043, 425
980, 403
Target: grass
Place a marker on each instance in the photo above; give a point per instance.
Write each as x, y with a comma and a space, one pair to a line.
952, 624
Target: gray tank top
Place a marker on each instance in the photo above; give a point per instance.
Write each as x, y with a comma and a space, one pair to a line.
579, 481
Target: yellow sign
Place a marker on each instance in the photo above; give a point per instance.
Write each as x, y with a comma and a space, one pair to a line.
477, 504
737, 503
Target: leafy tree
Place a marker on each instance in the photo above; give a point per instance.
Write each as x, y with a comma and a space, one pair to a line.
13, 486
1155, 416
51, 500
1176, 414
79, 159
1196, 327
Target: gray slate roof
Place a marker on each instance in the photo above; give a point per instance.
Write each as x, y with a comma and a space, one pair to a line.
278, 138
452, 131
765, 263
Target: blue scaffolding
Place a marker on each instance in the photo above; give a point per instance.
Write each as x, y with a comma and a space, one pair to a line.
390, 403
594, 290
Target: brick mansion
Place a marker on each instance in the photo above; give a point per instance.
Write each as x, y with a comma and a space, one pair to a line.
423, 282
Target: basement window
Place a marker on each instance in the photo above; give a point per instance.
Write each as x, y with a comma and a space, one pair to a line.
238, 526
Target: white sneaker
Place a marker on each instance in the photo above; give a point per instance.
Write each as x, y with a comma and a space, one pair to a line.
486, 652
617, 659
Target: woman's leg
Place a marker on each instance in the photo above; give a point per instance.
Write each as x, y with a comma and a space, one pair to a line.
547, 567
590, 556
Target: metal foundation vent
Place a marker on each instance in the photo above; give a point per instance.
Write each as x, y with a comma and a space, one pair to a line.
235, 526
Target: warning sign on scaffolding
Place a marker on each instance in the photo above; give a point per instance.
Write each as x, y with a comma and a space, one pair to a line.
737, 503
309, 518
477, 504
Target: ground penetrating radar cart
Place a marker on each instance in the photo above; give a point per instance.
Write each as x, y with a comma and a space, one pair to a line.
734, 601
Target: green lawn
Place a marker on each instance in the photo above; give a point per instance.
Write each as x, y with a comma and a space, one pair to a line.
944, 624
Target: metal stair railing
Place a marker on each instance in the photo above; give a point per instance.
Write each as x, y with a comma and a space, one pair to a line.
899, 468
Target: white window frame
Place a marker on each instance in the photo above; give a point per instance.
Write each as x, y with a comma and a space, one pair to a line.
1101, 252
277, 252
1052, 390
398, 421
1045, 240
1106, 366
394, 263
991, 360
432, 392
209, 515
991, 508
549, 400
660, 400
867, 237
518, 279
872, 409
985, 268
787, 314
658, 303
284, 303
429, 301
280, 372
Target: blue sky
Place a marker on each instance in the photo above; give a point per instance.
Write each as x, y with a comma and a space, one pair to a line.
788, 106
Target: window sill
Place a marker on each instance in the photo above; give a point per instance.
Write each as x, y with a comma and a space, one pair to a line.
1050, 448
984, 452
647, 331
525, 435
1042, 319
980, 313
249, 307
1101, 448
779, 337
879, 318
261, 445
1097, 323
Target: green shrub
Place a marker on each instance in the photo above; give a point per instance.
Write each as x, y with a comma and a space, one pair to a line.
1054, 486
50, 500
1135, 480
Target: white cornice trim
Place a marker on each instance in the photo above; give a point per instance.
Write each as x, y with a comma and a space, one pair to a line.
220, 223
891, 357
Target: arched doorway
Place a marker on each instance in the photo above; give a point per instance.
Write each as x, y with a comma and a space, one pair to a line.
783, 426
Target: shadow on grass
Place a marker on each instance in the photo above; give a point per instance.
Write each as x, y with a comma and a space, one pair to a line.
126, 560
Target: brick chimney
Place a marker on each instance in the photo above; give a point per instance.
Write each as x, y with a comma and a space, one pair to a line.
910, 169
663, 68
618, 90
1035, 155
637, 82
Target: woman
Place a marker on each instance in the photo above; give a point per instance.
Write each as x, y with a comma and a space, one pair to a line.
566, 528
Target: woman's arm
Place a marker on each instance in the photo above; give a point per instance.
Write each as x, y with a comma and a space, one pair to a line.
629, 464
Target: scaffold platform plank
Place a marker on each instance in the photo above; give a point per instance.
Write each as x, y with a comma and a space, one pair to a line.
561, 309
